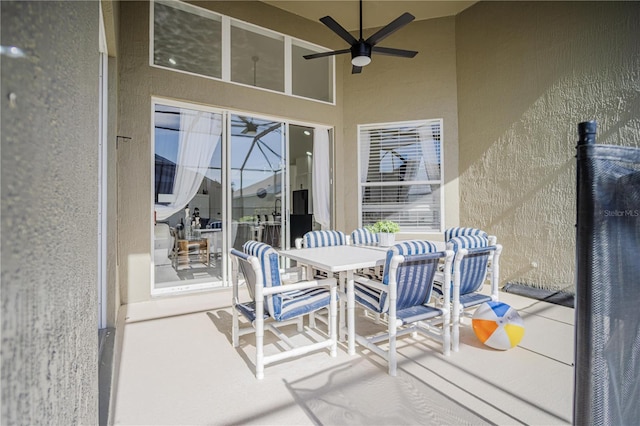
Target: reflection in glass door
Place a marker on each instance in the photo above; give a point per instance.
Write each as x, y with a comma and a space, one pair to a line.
256, 177
188, 208
221, 179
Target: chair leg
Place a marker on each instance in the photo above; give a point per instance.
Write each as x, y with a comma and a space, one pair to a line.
393, 363
312, 320
259, 348
333, 321
235, 330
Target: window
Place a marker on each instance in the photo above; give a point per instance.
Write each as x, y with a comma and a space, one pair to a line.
401, 174
311, 79
188, 38
257, 57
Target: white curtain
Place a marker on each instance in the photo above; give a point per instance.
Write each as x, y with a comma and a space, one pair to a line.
429, 152
321, 177
365, 147
199, 135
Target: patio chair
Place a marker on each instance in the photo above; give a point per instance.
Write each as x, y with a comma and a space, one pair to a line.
404, 294
475, 261
273, 305
320, 239
363, 236
465, 231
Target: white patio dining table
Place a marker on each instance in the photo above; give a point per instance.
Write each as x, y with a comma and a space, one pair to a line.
344, 260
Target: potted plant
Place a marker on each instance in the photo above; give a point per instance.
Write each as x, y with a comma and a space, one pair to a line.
386, 230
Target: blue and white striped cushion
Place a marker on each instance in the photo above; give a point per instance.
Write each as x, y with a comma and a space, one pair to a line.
300, 302
270, 271
406, 248
290, 304
376, 300
324, 239
467, 242
370, 297
363, 236
473, 268
459, 232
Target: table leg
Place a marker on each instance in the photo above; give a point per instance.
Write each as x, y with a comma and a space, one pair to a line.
341, 317
351, 311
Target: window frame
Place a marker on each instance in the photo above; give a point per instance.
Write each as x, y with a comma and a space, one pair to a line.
226, 50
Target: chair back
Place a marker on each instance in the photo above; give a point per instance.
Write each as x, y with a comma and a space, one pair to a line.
406, 248
474, 264
269, 265
324, 239
414, 278
363, 236
462, 232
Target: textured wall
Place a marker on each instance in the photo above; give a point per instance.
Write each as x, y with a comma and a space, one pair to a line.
49, 351
528, 72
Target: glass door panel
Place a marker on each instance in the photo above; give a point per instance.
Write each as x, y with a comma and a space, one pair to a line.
188, 199
256, 179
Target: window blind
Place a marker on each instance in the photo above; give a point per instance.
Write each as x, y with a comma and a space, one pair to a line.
401, 174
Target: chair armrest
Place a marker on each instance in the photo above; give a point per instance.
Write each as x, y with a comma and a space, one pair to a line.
371, 283
328, 282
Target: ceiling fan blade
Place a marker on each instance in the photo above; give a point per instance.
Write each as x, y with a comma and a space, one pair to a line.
323, 54
356, 70
267, 131
394, 52
391, 28
338, 29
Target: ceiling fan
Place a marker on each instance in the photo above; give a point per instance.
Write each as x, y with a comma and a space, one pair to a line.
361, 49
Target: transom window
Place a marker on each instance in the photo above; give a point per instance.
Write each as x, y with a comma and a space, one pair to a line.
194, 40
401, 174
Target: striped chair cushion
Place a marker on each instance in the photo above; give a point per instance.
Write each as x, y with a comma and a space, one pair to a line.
460, 232
375, 299
294, 303
289, 304
270, 272
406, 248
324, 239
363, 236
473, 268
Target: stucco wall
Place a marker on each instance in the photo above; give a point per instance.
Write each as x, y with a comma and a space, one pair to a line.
528, 72
49, 310
398, 89
138, 82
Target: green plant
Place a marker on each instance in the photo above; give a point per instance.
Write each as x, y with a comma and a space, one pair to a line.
384, 226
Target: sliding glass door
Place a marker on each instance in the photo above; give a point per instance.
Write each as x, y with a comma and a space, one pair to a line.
257, 167
221, 179
188, 194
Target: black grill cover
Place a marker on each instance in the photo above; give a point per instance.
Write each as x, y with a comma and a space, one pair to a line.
607, 311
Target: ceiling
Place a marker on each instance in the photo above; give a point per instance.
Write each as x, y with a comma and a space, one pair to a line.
374, 13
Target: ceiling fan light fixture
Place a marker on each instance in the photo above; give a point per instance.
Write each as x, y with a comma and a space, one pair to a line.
360, 61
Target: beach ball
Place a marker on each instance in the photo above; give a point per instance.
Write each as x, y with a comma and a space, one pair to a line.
498, 325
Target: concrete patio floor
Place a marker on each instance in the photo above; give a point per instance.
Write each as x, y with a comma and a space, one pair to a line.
176, 365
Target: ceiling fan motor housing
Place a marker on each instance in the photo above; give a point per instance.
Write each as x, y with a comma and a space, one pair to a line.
361, 49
